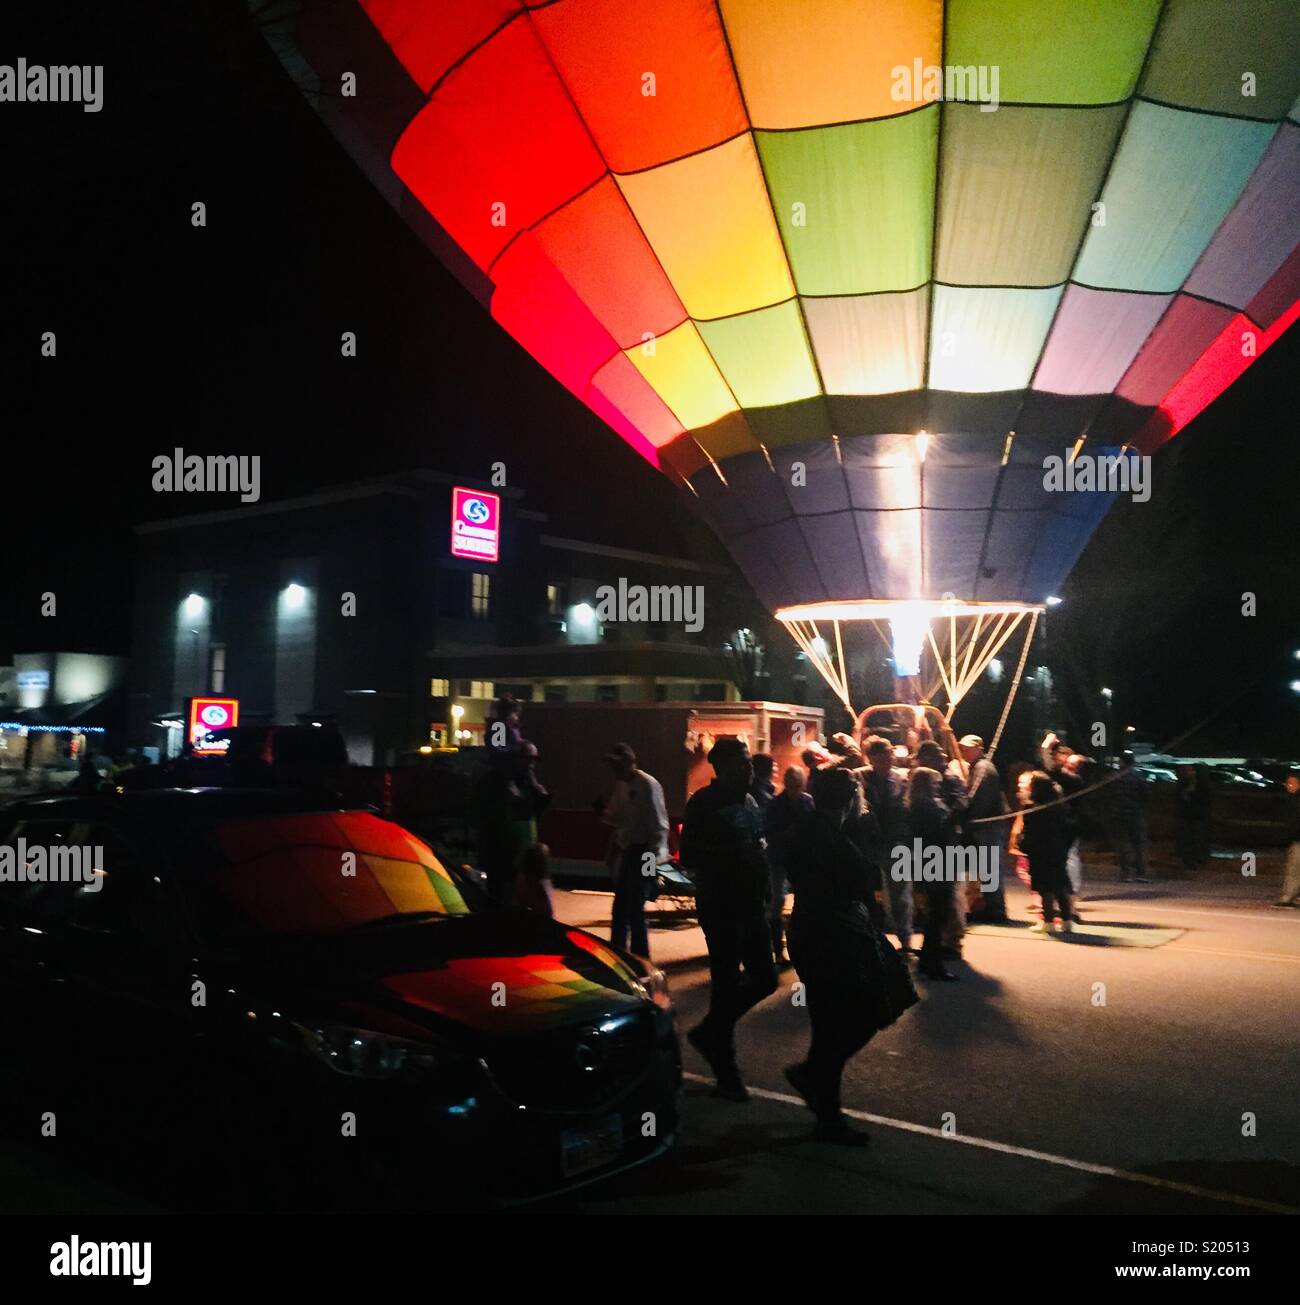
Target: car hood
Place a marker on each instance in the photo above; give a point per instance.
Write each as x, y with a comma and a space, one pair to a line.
503, 973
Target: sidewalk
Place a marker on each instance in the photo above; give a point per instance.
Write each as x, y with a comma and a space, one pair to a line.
676, 941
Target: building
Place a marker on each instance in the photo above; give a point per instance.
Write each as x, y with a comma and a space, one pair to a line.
397, 609
55, 705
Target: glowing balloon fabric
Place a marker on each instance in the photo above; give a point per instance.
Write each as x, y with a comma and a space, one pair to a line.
753, 234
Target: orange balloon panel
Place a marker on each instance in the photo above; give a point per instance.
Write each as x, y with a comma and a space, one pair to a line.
653, 81
596, 244
805, 63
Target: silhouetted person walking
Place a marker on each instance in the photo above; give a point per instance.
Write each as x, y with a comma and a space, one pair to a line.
722, 849
855, 982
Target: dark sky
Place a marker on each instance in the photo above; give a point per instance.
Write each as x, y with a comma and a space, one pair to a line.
226, 340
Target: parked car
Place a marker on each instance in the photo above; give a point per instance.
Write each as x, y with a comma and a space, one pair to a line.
285, 1000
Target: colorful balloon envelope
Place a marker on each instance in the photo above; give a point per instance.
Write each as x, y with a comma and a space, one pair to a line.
851, 271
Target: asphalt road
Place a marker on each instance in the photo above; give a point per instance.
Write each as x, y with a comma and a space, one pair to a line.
1025, 1087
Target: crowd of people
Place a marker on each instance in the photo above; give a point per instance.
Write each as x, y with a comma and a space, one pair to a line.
831, 835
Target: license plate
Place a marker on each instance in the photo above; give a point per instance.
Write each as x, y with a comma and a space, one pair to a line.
583, 1149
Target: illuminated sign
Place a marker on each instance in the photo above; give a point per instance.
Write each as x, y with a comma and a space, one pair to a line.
208, 714
33, 679
475, 525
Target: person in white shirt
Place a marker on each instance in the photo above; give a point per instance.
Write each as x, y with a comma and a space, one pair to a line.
639, 816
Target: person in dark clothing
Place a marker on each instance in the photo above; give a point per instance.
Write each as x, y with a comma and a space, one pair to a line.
1064, 774
931, 821
1193, 801
884, 788
1124, 808
722, 848
855, 982
783, 812
1043, 839
506, 802
952, 793
762, 790
985, 803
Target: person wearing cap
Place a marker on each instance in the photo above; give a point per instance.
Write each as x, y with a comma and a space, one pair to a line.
640, 819
985, 801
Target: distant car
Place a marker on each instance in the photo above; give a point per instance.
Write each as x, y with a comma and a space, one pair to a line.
272, 996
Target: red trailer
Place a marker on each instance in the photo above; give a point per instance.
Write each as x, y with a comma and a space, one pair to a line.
671, 741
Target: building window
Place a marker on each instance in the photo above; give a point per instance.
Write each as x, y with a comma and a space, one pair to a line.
554, 601
217, 668
439, 688
556, 693
480, 603
451, 595
607, 693
483, 689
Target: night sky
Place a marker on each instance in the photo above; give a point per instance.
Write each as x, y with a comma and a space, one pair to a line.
226, 339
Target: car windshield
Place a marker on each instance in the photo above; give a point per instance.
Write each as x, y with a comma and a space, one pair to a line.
324, 873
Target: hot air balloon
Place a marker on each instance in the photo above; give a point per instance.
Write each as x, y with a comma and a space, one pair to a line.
852, 271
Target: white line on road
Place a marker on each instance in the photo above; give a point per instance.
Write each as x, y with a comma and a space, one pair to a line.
1238, 955
1025, 1153
1273, 917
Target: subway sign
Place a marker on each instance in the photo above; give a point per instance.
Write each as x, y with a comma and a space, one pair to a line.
475, 525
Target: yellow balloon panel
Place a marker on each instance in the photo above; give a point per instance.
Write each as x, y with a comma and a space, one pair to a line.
682, 370
709, 220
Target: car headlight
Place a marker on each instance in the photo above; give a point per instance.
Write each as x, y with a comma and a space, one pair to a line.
364, 1053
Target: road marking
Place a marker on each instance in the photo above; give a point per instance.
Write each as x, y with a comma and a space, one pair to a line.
1274, 917
1025, 1153
1249, 956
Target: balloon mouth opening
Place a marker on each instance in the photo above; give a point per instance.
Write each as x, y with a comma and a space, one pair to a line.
906, 611
962, 636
